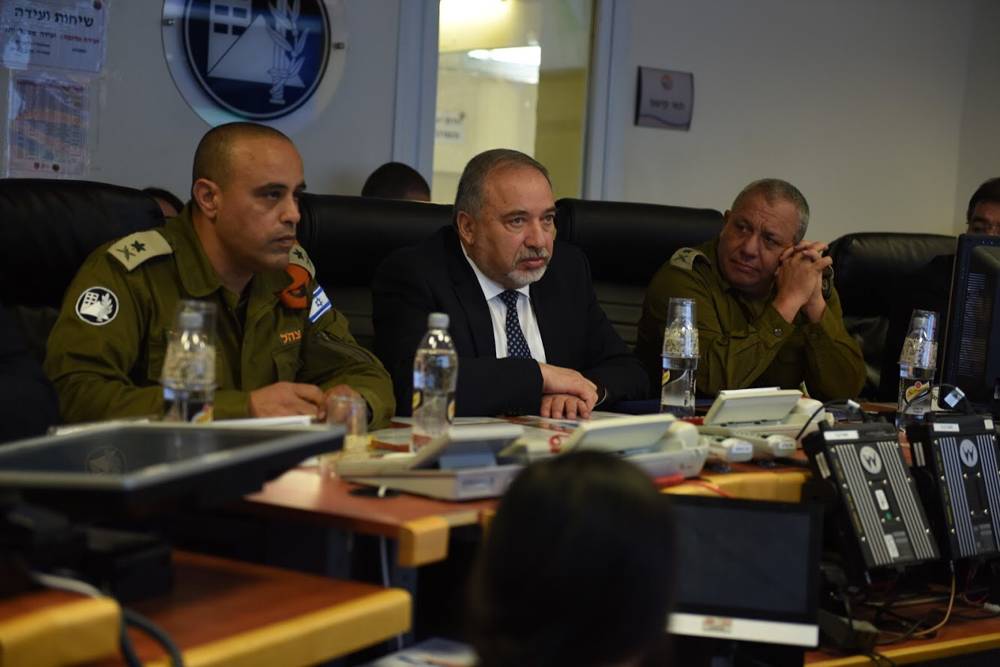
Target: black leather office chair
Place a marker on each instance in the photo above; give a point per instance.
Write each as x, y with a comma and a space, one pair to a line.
871, 273
348, 237
47, 229
626, 244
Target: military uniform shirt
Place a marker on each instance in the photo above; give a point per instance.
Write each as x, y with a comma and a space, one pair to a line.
745, 342
106, 350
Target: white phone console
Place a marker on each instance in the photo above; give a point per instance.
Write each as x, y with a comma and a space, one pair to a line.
768, 418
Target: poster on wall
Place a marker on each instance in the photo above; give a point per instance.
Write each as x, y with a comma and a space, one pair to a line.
47, 126
664, 98
65, 34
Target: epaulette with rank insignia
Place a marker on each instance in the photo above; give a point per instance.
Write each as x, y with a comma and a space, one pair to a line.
136, 248
299, 257
685, 258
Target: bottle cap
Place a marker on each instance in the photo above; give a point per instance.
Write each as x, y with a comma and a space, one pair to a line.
437, 321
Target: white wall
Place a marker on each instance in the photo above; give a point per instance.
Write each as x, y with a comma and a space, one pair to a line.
146, 133
858, 103
980, 138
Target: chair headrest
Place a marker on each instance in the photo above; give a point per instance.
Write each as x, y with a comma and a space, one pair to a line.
375, 227
628, 242
868, 266
50, 226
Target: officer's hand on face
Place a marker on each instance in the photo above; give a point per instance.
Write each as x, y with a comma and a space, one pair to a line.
564, 406
283, 399
559, 380
799, 278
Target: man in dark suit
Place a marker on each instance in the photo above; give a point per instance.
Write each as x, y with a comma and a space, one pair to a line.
530, 335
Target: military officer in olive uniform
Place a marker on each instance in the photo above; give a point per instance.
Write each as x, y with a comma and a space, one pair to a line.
767, 316
280, 346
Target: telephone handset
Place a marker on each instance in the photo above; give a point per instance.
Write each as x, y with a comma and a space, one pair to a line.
768, 418
630, 435
660, 444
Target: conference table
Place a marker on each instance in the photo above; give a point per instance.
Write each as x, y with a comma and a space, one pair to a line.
959, 637
220, 613
421, 527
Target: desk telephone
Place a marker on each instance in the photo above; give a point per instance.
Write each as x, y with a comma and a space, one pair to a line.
479, 461
767, 419
660, 444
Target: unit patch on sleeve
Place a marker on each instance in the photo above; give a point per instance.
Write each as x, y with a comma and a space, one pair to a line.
97, 306
320, 304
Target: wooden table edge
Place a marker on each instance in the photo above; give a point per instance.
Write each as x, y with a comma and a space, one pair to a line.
73, 632
312, 638
930, 650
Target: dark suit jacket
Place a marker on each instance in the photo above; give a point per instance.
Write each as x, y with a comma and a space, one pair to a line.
434, 276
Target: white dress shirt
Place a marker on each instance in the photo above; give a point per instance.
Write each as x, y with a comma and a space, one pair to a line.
498, 313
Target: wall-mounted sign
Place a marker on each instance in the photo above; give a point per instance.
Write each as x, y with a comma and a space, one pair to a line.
449, 126
253, 59
47, 126
664, 98
68, 34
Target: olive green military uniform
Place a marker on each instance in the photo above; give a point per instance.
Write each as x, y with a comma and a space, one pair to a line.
745, 342
107, 348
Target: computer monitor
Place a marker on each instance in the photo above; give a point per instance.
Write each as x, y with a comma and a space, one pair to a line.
135, 469
747, 570
972, 336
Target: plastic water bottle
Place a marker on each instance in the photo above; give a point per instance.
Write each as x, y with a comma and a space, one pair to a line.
435, 373
189, 368
680, 358
917, 363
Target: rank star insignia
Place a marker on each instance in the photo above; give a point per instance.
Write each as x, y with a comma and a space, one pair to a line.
139, 246
126, 253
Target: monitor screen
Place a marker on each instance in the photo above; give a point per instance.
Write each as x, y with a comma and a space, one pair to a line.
132, 467
972, 336
747, 570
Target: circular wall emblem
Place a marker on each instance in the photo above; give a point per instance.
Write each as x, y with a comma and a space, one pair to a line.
870, 460
968, 453
97, 306
255, 58
272, 61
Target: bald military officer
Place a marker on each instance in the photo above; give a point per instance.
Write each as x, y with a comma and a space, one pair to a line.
767, 316
280, 346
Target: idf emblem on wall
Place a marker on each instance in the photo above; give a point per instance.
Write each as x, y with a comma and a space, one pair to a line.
259, 59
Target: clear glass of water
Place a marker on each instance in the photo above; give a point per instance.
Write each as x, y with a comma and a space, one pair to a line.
680, 358
351, 412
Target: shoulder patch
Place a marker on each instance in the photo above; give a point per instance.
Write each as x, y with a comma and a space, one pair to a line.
136, 248
685, 258
298, 256
97, 305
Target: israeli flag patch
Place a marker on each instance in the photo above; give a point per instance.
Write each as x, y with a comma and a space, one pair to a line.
320, 304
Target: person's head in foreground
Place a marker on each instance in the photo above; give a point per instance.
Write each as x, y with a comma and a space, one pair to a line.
577, 568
